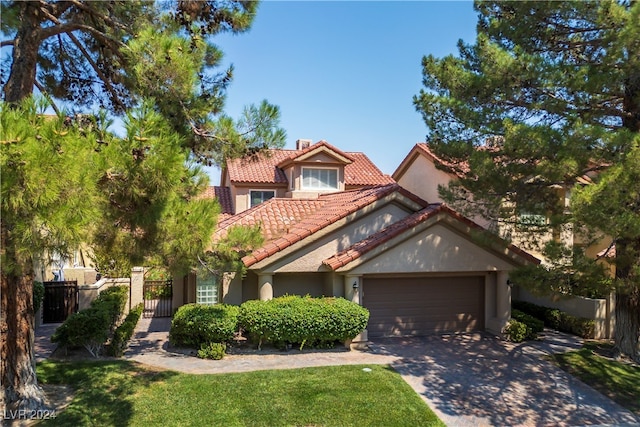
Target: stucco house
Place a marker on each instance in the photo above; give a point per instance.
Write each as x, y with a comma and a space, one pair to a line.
422, 171
355, 233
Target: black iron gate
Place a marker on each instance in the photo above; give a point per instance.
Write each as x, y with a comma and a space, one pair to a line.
60, 301
158, 295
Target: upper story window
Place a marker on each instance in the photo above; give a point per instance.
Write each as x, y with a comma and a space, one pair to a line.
259, 196
319, 179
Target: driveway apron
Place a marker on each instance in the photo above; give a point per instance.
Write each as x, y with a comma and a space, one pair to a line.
478, 380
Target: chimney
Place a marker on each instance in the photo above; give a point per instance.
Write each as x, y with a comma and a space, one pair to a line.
301, 144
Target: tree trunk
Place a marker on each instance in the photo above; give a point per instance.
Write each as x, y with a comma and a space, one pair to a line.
25, 54
20, 389
627, 327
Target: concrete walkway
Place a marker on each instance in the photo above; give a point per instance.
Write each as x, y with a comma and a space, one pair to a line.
149, 345
42, 346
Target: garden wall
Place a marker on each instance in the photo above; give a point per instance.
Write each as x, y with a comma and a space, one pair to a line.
599, 310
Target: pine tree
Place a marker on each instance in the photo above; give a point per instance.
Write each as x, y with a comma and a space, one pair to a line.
548, 94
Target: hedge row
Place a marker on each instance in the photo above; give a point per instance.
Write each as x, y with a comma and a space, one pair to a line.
123, 333
300, 321
558, 320
195, 324
283, 321
91, 328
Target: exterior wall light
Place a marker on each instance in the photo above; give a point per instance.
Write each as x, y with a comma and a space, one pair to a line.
355, 285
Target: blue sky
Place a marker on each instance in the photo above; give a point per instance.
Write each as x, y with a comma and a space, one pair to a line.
346, 71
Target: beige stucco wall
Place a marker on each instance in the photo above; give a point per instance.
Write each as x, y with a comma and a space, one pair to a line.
599, 310
298, 284
310, 257
422, 179
436, 249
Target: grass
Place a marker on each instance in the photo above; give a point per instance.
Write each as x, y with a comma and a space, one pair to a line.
122, 393
617, 380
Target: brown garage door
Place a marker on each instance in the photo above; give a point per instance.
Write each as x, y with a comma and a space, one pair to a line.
423, 305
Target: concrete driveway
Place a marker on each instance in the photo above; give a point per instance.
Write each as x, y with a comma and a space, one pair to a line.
478, 380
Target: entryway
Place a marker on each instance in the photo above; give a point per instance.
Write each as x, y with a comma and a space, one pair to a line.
158, 298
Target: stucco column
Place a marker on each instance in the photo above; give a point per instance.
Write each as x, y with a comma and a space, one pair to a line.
137, 282
503, 297
353, 289
265, 286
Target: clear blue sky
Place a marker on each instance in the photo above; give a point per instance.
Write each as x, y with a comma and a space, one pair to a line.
345, 72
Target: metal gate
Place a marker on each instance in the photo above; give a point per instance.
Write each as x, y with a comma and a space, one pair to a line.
60, 301
158, 296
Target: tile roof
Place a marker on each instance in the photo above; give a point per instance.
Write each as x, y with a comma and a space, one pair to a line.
332, 207
263, 168
319, 146
457, 169
223, 196
371, 242
275, 216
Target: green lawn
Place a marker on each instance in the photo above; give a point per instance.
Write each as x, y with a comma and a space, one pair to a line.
619, 381
121, 393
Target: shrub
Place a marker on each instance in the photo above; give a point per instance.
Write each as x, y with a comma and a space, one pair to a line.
558, 320
516, 331
38, 295
123, 333
197, 324
90, 328
302, 320
213, 350
535, 325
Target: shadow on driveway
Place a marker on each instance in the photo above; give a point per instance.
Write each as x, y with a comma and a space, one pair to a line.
477, 379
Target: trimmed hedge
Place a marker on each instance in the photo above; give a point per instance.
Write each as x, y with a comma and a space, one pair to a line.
195, 325
295, 320
558, 320
535, 325
38, 295
123, 333
213, 351
91, 328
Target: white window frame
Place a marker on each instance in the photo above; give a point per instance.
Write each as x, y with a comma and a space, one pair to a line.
305, 187
207, 290
261, 191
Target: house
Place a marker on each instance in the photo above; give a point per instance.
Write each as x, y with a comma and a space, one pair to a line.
334, 225
422, 171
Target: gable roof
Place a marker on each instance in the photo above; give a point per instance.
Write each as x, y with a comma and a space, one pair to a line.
312, 150
456, 170
330, 208
266, 168
373, 241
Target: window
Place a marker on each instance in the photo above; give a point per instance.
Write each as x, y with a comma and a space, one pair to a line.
527, 219
207, 290
319, 179
258, 197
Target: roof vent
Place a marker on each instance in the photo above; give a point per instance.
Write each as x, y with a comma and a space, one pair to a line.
302, 144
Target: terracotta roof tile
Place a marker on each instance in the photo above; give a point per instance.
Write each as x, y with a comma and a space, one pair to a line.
223, 196
317, 146
263, 168
332, 208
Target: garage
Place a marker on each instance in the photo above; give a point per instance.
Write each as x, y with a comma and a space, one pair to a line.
401, 306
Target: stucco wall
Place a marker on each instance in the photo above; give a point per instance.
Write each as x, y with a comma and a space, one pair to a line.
311, 257
298, 284
436, 249
422, 179
599, 310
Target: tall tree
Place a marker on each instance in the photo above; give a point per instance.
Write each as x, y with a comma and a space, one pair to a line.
549, 93
109, 54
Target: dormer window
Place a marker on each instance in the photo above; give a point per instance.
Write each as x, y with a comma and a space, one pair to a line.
260, 196
319, 178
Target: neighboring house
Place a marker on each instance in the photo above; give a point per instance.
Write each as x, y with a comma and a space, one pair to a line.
422, 171
354, 233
